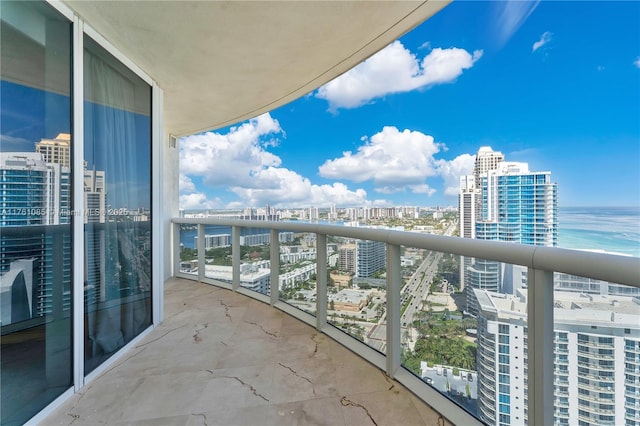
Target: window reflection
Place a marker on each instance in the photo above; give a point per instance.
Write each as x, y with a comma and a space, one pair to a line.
117, 218
35, 237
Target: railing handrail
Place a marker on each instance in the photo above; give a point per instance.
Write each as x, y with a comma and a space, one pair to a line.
602, 266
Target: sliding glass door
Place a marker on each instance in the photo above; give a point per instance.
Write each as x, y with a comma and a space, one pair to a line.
117, 188
38, 212
35, 220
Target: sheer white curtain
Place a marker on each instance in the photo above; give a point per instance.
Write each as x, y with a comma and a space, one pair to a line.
115, 311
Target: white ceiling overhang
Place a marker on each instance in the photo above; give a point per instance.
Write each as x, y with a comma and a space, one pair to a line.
223, 62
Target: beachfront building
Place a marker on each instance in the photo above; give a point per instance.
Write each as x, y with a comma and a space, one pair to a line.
517, 206
597, 353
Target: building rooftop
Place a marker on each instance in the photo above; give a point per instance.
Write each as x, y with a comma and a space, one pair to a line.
223, 358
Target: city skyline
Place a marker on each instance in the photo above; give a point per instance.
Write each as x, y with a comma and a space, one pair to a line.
538, 81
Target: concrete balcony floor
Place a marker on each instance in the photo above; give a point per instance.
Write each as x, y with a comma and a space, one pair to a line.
221, 358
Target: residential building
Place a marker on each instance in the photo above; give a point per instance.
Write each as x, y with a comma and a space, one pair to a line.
255, 240
467, 207
347, 258
314, 213
370, 258
56, 150
486, 160
516, 205
252, 276
214, 241
597, 353
34, 194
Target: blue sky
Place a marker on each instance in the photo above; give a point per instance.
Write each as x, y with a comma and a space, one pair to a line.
555, 84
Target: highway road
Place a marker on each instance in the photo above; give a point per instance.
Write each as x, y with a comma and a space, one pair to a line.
416, 288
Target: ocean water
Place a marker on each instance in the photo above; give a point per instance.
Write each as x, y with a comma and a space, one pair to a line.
613, 229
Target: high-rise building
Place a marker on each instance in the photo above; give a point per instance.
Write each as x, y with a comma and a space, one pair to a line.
347, 258
486, 160
597, 353
467, 206
95, 196
214, 241
34, 194
515, 205
314, 213
476, 273
333, 214
56, 150
518, 206
370, 257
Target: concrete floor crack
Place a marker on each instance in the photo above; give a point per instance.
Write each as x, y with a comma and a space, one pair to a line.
74, 416
204, 418
299, 375
160, 337
196, 336
347, 402
226, 309
263, 329
315, 350
388, 379
245, 384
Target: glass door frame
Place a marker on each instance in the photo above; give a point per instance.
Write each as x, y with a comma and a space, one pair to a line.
158, 239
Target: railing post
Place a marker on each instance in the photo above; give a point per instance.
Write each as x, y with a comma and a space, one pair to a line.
200, 248
275, 266
394, 284
321, 281
540, 346
235, 257
176, 248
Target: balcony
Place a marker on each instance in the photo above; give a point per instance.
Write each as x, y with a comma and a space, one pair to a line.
541, 261
205, 360
222, 358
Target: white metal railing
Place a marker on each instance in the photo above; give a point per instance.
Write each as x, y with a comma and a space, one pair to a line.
541, 262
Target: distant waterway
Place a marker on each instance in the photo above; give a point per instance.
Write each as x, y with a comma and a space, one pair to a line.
188, 234
613, 229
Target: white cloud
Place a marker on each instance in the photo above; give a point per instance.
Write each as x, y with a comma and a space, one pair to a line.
400, 162
239, 161
382, 203
637, 62
510, 15
544, 39
451, 171
395, 70
391, 159
186, 184
396, 161
422, 189
235, 157
289, 189
198, 200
